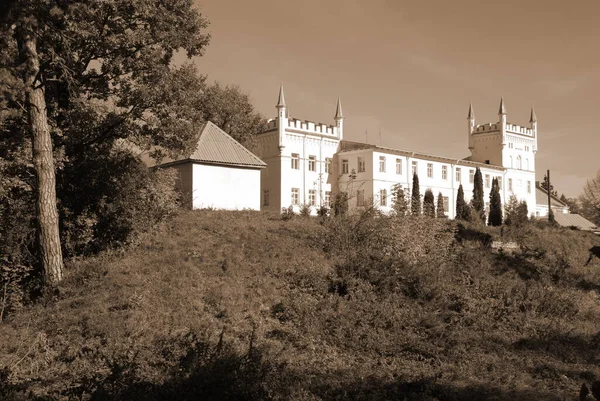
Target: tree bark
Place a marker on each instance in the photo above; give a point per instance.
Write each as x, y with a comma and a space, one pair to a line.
43, 160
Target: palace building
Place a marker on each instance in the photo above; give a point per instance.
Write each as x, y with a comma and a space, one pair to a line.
308, 163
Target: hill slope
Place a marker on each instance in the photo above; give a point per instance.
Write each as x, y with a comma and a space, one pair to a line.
234, 305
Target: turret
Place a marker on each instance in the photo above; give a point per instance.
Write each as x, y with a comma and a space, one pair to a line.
533, 126
282, 116
502, 117
471, 123
339, 120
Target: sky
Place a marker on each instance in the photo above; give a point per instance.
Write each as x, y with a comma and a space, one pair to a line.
406, 71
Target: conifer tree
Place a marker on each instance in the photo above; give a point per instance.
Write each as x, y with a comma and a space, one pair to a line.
477, 201
428, 204
400, 205
415, 202
495, 216
440, 212
463, 211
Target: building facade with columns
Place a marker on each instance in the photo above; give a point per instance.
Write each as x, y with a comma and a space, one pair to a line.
308, 163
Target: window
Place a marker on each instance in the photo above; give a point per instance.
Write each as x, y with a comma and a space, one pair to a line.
519, 183
446, 203
344, 166
312, 163
398, 166
295, 161
312, 197
361, 164
471, 176
511, 162
360, 197
414, 167
510, 187
487, 180
527, 148
295, 196
526, 164
327, 165
327, 200
458, 174
519, 166
499, 182
487, 162
266, 197
430, 170
528, 187
383, 197
382, 164
444, 172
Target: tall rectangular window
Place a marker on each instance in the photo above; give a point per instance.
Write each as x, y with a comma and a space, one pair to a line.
471, 176
327, 200
295, 196
266, 197
528, 187
382, 164
344, 166
312, 163
446, 201
361, 164
295, 161
383, 197
312, 197
458, 174
414, 167
360, 197
444, 172
398, 166
430, 170
499, 182
510, 186
487, 180
328, 165
519, 183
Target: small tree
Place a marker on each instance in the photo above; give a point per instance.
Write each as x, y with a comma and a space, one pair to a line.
463, 211
477, 201
400, 205
516, 212
495, 216
522, 213
415, 201
439, 211
428, 204
339, 207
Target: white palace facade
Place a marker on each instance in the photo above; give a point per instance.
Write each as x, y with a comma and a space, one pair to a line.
308, 163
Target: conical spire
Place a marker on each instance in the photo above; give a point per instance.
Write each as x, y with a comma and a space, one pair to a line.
533, 117
338, 110
281, 101
471, 115
502, 108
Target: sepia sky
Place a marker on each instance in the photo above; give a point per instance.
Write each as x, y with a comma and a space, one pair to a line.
409, 69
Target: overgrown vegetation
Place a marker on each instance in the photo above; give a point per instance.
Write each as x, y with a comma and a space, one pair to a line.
225, 305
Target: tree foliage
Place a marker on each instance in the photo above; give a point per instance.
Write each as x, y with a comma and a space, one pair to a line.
477, 201
399, 205
544, 185
415, 201
516, 212
463, 210
429, 204
590, 199
495, 214
439, 210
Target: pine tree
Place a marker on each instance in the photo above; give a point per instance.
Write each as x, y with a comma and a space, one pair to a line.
544, 185
440, 213
477, 201
400, 206
495, 216
463, 211
516, 212
415, 202
429, 204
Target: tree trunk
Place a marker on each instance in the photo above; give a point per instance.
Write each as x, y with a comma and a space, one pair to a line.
43, 160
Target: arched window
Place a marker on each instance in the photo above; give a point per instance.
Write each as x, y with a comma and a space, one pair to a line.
519, 166
511, 162
526, 164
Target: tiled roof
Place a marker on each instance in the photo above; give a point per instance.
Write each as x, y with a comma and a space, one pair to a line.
215, 146
575, 220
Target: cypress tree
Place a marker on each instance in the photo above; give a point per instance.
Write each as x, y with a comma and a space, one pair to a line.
400, 206
428, 204
463, 211
440, 207
495, 216
477, 201
415, 202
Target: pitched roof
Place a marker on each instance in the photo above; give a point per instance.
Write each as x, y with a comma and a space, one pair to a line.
502, 109
574, 220
471, 115
541, 196
215, 146
338, 110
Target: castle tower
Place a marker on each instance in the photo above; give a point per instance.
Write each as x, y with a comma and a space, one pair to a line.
282, 116
339, 120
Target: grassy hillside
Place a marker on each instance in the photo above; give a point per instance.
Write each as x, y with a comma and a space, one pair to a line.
237, 305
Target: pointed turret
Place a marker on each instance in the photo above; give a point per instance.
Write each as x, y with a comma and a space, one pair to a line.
281, 100
338, 110
502, 109
471, 115
533, 118
339, 120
